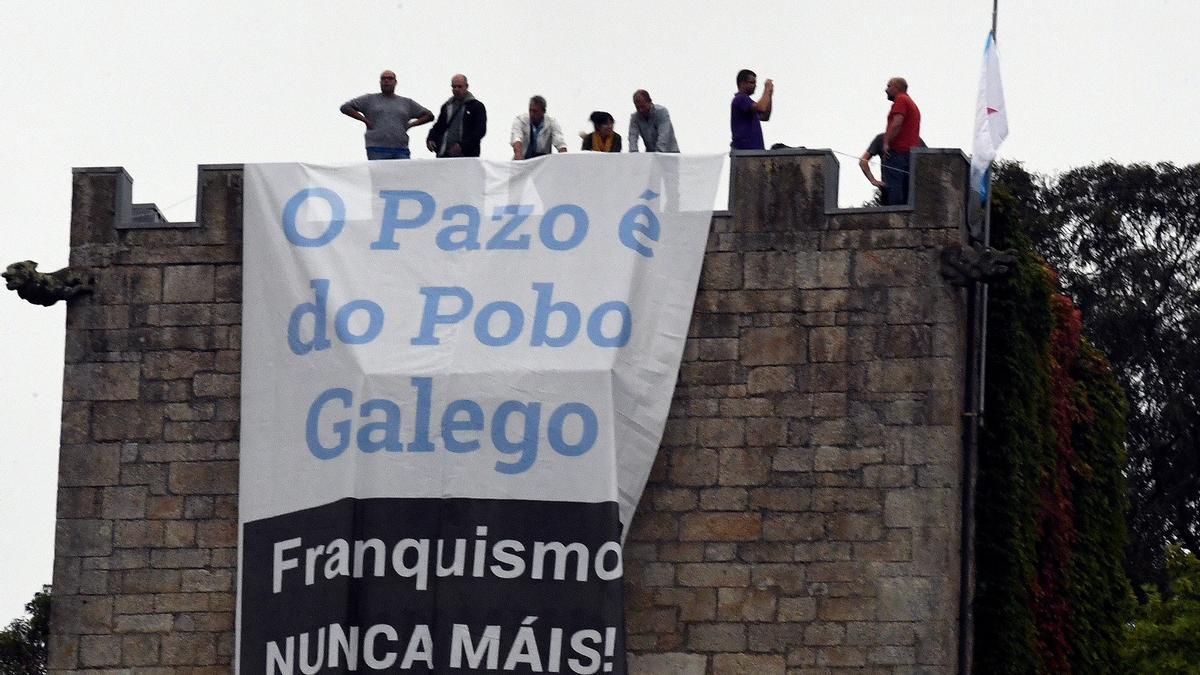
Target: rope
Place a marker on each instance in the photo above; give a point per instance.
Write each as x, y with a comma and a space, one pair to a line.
873, 161
189, 198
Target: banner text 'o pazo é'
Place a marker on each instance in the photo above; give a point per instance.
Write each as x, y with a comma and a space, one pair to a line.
511, 234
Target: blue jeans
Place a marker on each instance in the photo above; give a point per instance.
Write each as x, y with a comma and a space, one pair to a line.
896, 167
376, 152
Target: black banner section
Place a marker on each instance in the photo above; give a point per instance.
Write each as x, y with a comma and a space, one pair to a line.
434, 586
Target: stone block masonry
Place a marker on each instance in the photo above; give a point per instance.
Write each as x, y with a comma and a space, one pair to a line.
802, 516
146, 543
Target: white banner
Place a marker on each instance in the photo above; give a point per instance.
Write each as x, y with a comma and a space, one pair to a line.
454, 351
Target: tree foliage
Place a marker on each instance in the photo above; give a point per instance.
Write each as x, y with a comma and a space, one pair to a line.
1126, 242
23, 642
1164, 637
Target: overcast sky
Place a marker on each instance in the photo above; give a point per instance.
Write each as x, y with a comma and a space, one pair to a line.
159, 86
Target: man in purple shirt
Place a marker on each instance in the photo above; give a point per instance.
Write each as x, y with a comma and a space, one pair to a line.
747, 115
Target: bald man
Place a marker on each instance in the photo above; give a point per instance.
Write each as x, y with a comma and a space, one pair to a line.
651, 123
461, 123
902, 134
388, 117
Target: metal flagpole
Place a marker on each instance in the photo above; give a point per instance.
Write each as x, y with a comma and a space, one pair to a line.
987, 242
974, 418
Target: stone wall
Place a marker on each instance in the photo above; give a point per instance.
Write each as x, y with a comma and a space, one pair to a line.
146, 543
803, 514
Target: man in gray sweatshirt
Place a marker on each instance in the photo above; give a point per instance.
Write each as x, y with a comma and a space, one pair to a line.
388, 118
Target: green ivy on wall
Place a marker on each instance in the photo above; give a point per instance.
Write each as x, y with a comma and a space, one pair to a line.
1051, 595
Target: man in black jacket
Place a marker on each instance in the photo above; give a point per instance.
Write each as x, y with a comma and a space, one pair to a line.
461, 123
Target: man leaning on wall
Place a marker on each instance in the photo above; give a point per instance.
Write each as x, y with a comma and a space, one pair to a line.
875, 149
650, 123
535, 133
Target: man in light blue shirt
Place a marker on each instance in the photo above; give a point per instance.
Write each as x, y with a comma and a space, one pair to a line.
651, 124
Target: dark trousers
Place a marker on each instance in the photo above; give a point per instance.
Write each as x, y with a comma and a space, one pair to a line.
896, 168
377, 152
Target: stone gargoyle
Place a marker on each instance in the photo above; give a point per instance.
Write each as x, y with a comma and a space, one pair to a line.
962, 265
45, 289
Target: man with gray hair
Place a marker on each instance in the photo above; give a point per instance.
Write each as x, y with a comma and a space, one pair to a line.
388, 118
652, 124
461, 123
534, 133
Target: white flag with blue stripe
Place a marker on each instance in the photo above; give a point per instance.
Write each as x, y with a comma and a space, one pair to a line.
991, 119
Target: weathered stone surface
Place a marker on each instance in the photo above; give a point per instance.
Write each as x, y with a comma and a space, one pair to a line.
793, 527
905, 599
721, 271
92, 464
846, 609
720, 526
769, 379
217, 533
902, 508
99, 650
84, 537
770, 269
215, 385
764, 346
781, 499
722, 433
717, 637
204, 477
713, 574
889, 267
139, 650
748, 664
188, 283
695, 467
206, 580
124, 502
668, 664
823, 269
742, 466
189, 649
100, 382
175, 365
126, 421
746, 604
82, 614
144, 623
797, 609
723, 499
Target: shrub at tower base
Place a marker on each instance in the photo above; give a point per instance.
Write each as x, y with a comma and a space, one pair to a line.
1051, 594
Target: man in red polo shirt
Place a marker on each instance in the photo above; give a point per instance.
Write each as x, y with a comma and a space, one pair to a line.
902, 134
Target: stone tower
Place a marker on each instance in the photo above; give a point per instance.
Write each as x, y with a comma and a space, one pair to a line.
803, 514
